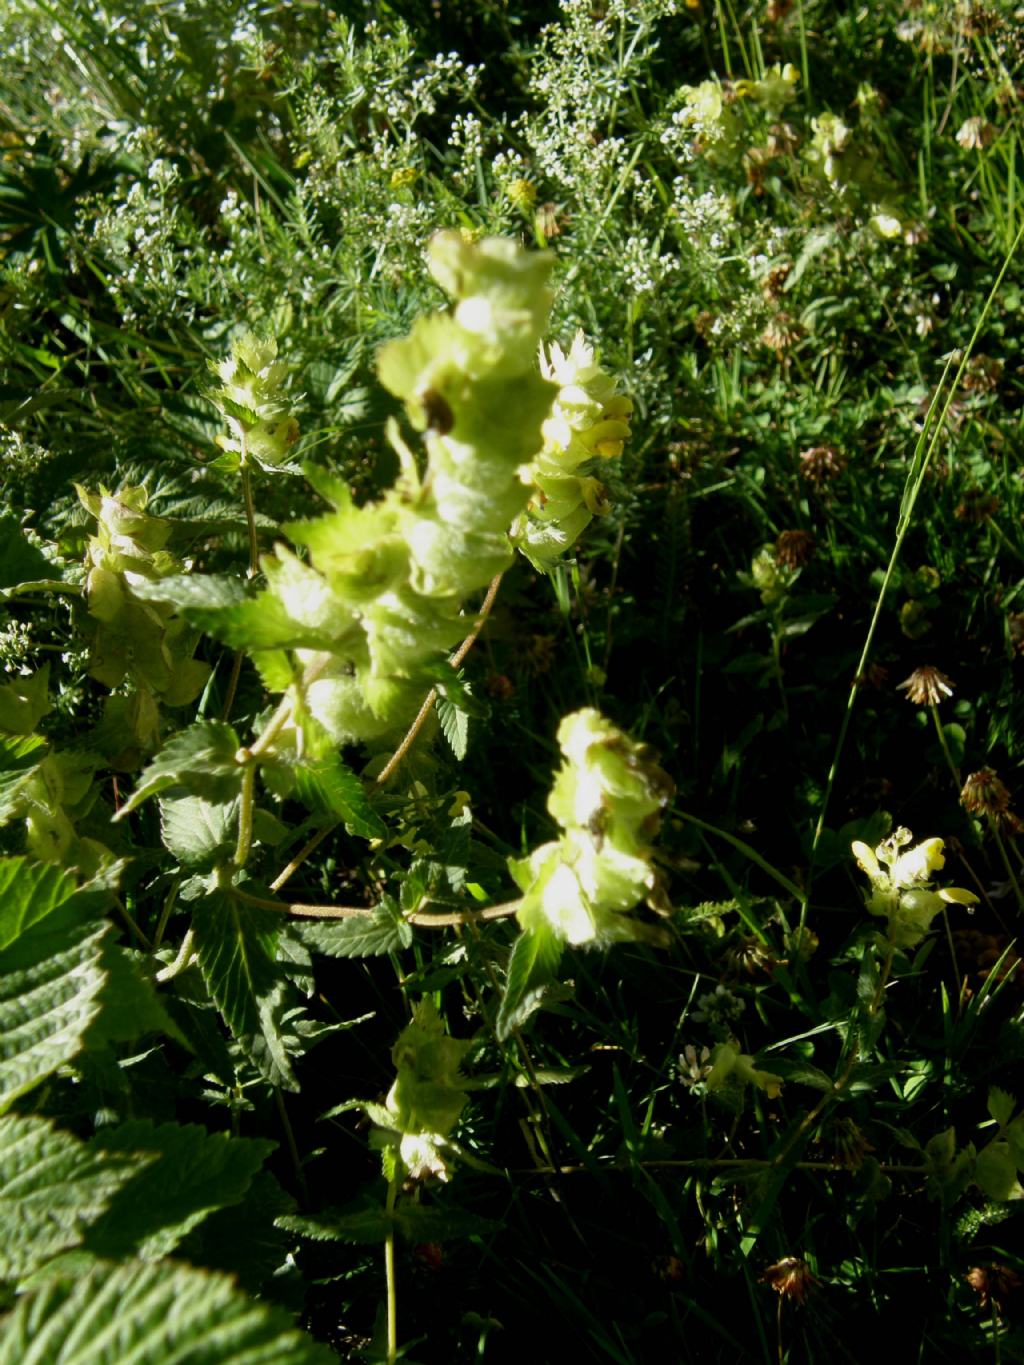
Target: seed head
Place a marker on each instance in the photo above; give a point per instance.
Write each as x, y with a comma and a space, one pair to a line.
926, 686
791, 1277
977, 506
995, 1283
781, 332
820, 464
794, 548
848, 1143
984, 794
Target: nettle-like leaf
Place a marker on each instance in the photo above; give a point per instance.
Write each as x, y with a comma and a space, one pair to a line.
385, 931
20, 756
225, 609
198, 832
136, 1312
236, 946
201, 760
373, 1223
326, 784
995, 1172
52, 1188
536, 954
51, 972
189, 1173
20, 561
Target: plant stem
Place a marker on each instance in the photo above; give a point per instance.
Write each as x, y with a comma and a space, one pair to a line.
431, 697
250, 506
180, 962
423, 918
993, 826
746, 849
245, 810
389, 1271
945, 746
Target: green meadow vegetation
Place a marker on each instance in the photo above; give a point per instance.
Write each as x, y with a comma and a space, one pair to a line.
511, 709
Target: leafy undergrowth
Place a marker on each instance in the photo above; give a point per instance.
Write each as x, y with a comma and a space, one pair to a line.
509, 521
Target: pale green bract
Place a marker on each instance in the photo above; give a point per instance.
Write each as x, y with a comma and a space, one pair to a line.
589, 420
385, 583
252, 400
608, 797
427, 1097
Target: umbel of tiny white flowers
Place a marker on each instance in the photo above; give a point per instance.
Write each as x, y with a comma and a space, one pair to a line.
901, 889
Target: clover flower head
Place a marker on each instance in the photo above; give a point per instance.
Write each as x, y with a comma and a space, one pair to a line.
927, 686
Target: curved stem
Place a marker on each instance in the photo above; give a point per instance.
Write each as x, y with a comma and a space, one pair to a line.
431, 697
303, 853
422, 918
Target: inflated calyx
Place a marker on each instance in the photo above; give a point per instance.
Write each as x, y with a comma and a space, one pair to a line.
608, 797
589, 421
381, 592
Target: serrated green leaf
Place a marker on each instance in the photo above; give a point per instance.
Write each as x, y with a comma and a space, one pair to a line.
24, 702
52, 1187
190, 1173
20, 560
384, 931
1001, 1105
222, 607
326, 784
46, 1008
801, 1073
19, 757
420, 1224
536, 954
372, 1224
129, 1004
200, 760
243, 1239
363, 1225
33, 892
454, 726
995, 1171
236, 946
169, 1314
198, 832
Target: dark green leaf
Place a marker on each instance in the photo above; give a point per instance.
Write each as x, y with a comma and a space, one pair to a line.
19, 757
996, 1172
190, 1173
383, 931
327, 785
46, 1008
236, 946
20, 560
163, 1313
52, 1186
200, 760
536, 954
198, 832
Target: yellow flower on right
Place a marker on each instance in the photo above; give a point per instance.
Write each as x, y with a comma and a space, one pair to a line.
901, 889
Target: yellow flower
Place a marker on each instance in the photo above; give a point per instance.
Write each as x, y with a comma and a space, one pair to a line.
900, 885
